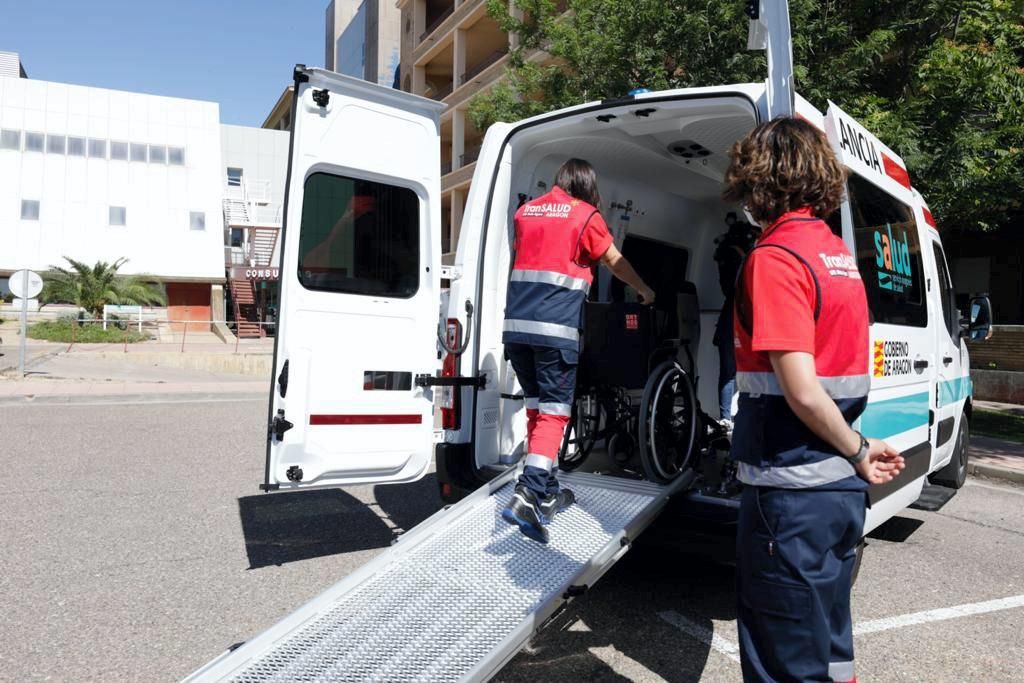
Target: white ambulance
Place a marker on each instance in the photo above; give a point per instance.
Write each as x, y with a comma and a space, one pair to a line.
362, 393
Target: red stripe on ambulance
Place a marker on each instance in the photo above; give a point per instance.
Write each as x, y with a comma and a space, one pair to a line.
321, 420
895, 171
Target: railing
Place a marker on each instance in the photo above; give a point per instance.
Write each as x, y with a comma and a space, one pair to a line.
446, 167
469, 156
442, 93
483, 64
437, 22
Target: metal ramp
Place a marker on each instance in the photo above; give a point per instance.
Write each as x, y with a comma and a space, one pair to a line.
456, 597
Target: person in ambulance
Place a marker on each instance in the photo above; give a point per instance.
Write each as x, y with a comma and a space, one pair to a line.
559, 239
802, 374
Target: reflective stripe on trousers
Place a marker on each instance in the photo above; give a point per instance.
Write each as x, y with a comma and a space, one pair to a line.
848, 386
805, 476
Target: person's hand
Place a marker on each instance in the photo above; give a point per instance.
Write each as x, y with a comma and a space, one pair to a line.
882, 464
646, 296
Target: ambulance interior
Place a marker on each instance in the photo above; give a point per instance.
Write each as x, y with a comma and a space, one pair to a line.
660, 170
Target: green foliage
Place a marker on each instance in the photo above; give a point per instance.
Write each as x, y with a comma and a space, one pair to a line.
93, 287
999, 425
940, 81
69, 329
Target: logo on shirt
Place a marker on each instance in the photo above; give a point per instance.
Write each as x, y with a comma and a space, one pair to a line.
892, 258
840, 265
547, 210
891, 358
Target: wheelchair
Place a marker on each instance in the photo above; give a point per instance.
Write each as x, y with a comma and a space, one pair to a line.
636, 390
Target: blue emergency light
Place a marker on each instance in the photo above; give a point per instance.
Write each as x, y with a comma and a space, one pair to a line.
638, 91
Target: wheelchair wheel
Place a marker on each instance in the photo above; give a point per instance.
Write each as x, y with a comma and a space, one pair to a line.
668, 423
580, 434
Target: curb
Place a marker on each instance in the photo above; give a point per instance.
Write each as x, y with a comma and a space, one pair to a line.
995, 472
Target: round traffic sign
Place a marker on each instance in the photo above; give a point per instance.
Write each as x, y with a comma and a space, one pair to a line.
16, 284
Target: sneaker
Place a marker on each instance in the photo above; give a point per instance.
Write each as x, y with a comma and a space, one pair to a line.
524, 511
556, 503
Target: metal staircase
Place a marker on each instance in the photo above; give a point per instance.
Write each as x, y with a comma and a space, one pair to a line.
247, 322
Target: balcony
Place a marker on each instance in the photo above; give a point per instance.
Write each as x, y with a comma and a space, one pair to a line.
481, 66
436, 22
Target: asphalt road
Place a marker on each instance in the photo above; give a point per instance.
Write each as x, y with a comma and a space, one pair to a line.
137, 547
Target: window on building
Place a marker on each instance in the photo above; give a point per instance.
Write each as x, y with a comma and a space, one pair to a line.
157, 154
234, 177
197, 220
236, 237
29, 209
118, 151
97, 149
117, 215
359, 237
176, 156
10, 139
56, 144
33, 142
888, 255
76, 146
137, 151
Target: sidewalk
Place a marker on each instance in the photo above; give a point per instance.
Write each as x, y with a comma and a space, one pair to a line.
997, 458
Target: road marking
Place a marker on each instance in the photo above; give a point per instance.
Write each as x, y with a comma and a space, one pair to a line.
623, 665
1001, 489
942, 614
703, 634
47, 402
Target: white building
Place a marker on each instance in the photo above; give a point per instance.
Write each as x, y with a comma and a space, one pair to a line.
362, 39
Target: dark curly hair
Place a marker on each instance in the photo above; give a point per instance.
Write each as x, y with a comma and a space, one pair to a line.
782, 165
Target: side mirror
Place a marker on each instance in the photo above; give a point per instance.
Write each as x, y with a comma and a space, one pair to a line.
979, 326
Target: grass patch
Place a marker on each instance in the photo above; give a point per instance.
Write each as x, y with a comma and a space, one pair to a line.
65, 330
998, 425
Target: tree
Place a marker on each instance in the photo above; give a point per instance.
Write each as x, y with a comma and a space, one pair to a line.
940, 81
94, 287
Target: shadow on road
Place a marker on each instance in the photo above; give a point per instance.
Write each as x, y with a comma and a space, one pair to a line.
896, 529
288, 527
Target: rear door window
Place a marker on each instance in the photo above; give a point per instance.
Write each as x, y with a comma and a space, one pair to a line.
949, 312
888, 255
359, 237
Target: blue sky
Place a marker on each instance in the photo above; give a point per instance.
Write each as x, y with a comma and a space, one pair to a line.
239, 53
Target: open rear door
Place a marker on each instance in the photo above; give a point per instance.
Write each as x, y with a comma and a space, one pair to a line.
360, 287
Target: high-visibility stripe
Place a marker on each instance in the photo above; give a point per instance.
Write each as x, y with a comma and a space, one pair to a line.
563, 409
542, 329
549, 277
321, 420
805, 476
929, 218
844, 386
532, 402
536, 460
895, 171
841, 671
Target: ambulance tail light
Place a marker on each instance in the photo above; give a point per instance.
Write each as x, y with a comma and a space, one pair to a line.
450, 397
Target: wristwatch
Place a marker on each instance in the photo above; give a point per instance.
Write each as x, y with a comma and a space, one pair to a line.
861, 453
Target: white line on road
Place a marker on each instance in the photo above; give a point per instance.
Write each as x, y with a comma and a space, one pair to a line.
703, 634
43, 402
942, 614
623, 665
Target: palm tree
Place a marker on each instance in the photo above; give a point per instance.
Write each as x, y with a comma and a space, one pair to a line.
94, 287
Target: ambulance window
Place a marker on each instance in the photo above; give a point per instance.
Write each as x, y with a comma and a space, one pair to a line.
359, 237
888, 255
949, 313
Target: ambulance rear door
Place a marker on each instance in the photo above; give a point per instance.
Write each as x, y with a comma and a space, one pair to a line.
360, 287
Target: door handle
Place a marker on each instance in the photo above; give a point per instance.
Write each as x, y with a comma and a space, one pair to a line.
946, 360
920, 364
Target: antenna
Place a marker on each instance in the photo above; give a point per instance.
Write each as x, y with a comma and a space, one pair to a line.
770, 31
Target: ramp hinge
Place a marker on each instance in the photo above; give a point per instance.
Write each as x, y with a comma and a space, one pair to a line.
278, 426
575, 591
451, 272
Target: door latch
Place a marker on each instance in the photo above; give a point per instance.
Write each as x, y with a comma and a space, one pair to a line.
278, 426
321, 97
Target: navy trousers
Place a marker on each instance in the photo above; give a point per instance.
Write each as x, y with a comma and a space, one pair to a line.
795, 556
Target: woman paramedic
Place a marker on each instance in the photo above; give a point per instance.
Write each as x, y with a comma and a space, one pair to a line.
802, 374
558, 238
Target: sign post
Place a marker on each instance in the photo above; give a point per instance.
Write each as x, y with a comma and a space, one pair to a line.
25, 285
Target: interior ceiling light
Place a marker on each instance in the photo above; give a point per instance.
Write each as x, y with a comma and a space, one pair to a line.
688, 149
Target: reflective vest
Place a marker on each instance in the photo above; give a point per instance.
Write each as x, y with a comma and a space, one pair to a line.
773, 448
558, 239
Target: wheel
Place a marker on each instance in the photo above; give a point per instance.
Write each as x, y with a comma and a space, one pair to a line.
668, 423
954, 474
580, 434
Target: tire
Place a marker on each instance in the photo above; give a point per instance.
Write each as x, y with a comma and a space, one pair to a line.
668, 423
954, 474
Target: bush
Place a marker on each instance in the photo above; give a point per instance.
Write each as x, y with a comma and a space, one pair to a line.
86, 333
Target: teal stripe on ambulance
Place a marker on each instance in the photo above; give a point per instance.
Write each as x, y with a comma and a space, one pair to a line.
883, 419
954, 390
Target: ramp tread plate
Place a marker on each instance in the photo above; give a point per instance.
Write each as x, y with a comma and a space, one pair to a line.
456, 597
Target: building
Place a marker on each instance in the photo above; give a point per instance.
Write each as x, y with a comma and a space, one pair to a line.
280, 117
362, 39
452, 50
98, 175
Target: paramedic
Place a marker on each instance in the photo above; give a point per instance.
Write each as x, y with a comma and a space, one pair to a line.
729, 254
802, 376
559, 237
